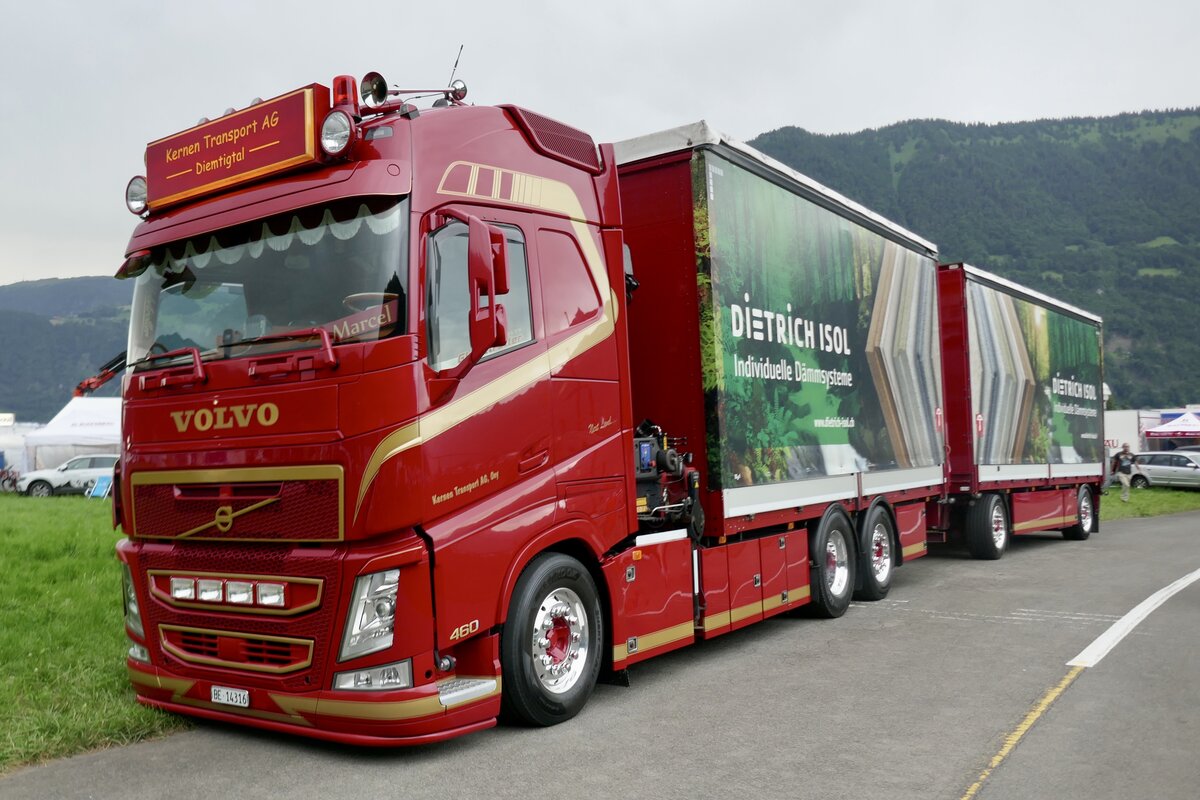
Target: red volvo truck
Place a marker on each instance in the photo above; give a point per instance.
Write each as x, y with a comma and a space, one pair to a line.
434, 414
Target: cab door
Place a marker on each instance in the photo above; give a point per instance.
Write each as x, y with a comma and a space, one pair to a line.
487, 431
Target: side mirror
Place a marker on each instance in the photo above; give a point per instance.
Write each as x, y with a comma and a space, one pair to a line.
487, 277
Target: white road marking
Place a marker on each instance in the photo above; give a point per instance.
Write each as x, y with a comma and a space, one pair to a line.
1097, 650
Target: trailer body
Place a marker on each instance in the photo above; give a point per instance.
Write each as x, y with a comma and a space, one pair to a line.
1024, 404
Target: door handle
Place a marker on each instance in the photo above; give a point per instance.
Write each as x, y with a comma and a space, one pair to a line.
535, 461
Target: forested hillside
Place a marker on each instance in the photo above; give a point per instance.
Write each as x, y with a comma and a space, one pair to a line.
41, 361
62, 297
1103, 213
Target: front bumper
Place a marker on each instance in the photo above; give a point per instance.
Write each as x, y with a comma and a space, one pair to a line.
428, 713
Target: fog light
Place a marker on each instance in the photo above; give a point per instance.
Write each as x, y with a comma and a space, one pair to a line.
385, 678
239, 592
270, 594
139, 653
209, 591
183, 589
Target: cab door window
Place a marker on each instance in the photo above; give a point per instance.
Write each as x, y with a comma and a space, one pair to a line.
448, 301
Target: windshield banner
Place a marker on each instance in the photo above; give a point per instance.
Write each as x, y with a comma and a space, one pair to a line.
263, 139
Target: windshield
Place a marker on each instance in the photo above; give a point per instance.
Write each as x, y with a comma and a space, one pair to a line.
341, 267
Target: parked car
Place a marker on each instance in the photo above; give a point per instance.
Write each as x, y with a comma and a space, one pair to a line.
1173, 468
73, 477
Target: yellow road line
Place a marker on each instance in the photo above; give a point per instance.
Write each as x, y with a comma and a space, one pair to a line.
1010, 741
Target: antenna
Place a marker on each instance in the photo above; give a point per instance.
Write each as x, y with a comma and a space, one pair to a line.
455, 69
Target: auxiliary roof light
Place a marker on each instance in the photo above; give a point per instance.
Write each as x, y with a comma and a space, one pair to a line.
135, 195
337, 132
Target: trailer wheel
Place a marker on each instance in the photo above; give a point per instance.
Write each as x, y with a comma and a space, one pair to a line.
830, 550
877, 556
550, 647
1086, 515
987, 528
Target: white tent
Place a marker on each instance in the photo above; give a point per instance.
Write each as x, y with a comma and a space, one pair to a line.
12, 444
1186, 426
85, 425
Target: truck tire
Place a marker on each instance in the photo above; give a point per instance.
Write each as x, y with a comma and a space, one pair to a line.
39, 489
550, 647
1085, 514
877, 554
831, 553
987, 528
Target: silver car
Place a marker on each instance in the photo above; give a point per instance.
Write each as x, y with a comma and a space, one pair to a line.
1173, 468
73, 477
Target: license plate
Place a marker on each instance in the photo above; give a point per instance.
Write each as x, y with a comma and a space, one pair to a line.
230, 697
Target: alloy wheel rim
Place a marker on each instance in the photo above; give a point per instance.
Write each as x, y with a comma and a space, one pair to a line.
837, 565
881, 553
1085, 511
559, 644
998, 525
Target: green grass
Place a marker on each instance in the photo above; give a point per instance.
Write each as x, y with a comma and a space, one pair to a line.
1159, 241
63, 685
1150, 502
1155, 272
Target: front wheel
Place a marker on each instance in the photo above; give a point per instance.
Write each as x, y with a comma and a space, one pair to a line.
1085, 516
39, 489
877, 558
1139, 481
987, 528
550, 648
832, 557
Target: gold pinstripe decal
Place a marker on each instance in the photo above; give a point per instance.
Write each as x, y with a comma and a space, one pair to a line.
1040, 524
655, 640
913, 549
716, 621
742, 612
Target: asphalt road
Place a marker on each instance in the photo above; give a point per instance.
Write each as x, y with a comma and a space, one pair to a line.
910, 697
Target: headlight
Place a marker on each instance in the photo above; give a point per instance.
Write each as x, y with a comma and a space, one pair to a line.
135, 195
133, 614
371, 618
376, 679
336, 132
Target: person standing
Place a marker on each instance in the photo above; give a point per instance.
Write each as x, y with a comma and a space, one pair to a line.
1122, 465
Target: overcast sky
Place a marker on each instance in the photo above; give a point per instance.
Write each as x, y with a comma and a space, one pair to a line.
87, 84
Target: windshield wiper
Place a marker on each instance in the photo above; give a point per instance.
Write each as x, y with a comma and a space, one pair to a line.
275, 365
170, 375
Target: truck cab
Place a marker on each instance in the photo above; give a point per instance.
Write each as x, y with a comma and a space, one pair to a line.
374, 374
